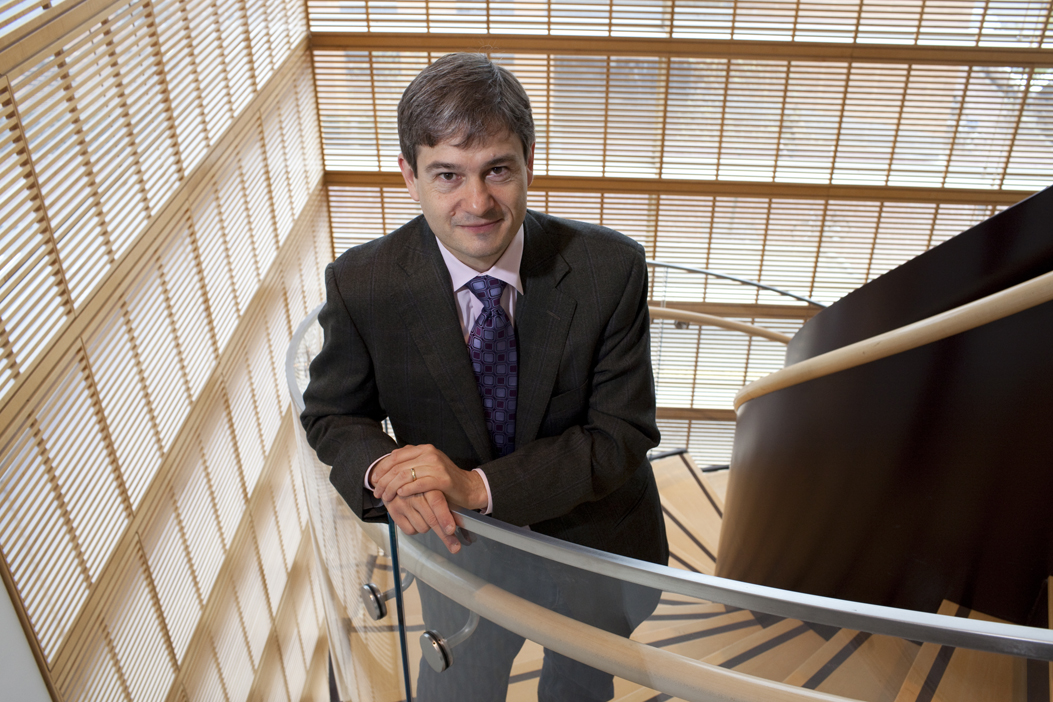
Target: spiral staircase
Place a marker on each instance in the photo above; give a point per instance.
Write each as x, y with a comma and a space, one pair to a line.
844, 662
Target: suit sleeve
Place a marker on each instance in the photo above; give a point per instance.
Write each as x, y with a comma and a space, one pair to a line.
342, 413
549, 477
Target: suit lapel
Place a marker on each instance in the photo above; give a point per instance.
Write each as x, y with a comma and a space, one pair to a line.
543, 317
436, 331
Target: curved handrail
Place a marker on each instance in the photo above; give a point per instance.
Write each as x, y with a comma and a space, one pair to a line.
960, 319
744, 281
652, 667
714, 321
994, 637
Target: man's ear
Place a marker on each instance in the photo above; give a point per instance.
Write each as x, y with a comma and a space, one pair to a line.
411, 178
530, 165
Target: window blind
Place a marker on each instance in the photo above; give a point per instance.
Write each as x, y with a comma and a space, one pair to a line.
148, 515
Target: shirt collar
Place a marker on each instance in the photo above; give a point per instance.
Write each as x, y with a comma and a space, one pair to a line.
505, 268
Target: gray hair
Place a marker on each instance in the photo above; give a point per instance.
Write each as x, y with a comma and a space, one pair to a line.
466, 97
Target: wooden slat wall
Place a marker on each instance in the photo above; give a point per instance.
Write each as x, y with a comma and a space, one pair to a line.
737, 120
163, 229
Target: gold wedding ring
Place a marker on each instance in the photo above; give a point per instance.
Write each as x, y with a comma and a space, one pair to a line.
413, 472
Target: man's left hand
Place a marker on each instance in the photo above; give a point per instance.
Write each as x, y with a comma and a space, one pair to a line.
415, 469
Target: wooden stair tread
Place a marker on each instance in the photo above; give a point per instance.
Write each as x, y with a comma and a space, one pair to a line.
643, 694
704, 477
771, 653
526, 672
668, 629
681, 470
697, 639
696, 504
689, 549
666, 616
857, 665
669, 598
947, 674
719, 481
529, 659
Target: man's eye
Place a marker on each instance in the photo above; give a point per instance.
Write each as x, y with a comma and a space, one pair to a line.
499, 171
447, 176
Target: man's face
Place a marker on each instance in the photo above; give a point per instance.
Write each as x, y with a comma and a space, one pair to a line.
473, 198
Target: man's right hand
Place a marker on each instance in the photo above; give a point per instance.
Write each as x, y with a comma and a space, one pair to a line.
421, 512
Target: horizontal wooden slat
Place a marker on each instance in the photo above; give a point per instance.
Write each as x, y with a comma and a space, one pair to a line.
442, 43
911, 22
697, 413
667, 186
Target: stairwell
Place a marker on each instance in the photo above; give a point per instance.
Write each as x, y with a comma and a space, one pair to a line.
852, 664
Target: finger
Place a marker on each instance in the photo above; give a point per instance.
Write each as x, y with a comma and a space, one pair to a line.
424, 508
383, 466
414, 515
406, 453
403, 481
406, 518
401, 522
393, 479
444, 519
432, 505
424, 477
402, 476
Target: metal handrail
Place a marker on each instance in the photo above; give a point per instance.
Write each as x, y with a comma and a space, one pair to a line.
714, 321
656, 668
737, 279
995, 637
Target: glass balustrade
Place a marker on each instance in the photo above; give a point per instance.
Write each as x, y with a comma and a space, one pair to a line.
519, 616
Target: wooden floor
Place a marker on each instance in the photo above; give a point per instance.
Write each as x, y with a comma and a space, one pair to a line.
852, 664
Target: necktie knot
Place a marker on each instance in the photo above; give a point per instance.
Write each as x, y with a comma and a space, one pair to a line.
488, 289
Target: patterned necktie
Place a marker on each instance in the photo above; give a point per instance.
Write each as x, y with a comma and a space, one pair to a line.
492, 347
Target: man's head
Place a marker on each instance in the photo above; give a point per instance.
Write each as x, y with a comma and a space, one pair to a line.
462, 99
468, 154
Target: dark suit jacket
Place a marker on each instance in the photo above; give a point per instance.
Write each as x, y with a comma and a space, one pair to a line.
586, 409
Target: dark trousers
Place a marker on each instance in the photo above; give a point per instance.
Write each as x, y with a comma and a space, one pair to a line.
482, 663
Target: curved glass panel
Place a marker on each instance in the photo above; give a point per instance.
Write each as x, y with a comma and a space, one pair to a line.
509, 624
519, 616
364, 642
528, 642
365, 652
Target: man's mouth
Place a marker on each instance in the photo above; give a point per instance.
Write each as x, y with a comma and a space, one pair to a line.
480, 226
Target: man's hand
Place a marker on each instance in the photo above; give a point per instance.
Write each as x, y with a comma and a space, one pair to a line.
419, 513
412, 470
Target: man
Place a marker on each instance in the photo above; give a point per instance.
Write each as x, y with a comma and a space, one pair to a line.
510, 352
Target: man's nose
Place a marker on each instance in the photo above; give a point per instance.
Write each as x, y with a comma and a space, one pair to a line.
478, 200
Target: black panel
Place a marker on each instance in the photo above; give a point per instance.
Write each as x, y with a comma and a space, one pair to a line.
923, 476
1009, 248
